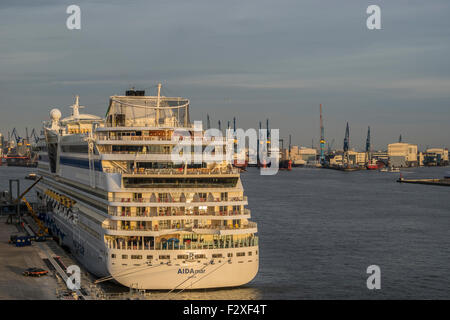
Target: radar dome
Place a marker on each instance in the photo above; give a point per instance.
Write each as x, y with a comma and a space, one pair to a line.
55, 114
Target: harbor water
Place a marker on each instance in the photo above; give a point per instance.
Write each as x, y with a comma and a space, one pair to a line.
320, 229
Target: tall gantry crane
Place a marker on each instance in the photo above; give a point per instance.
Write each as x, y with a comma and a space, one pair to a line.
368, 147
322, 139
346, 146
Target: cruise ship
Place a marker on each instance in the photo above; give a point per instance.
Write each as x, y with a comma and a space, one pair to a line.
112, 194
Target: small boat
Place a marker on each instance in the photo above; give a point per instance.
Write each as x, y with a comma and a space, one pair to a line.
375, 165
31, 176
391, 169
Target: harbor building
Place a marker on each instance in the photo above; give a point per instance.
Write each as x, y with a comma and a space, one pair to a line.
436, 157
303, 156
420, 159
402, 154
355, 158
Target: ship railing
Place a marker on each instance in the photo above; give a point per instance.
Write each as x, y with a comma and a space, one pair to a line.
180, 227
179, 171
185, 245
147, 214
155, 138
172, 200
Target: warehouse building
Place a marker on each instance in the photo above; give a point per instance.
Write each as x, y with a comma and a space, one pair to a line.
402, 154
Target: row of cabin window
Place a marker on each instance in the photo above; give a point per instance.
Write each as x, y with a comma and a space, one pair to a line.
185, 256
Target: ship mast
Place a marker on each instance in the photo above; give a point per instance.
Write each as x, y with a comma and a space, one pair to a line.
157, 103
76, 107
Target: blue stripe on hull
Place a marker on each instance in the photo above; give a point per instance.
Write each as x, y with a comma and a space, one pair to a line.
80, 163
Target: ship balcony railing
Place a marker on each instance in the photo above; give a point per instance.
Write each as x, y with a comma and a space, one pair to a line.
181, 227
172, 200
149, 214
187, 244
248, 225
157, 138
131, 123
179, 171
136, 152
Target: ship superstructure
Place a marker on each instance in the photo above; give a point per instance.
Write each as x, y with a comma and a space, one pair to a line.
130, 213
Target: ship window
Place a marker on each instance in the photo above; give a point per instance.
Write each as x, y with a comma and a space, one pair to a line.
249, 253
200, 256
124, 256
113, 256
149, 257
229, 255
240, 254
136, 256
256, 252
182, 256
164, 257
217, 255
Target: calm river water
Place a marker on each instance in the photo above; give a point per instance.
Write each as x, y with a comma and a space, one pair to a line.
320, 229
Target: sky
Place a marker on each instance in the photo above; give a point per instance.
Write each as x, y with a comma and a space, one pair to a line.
250, 59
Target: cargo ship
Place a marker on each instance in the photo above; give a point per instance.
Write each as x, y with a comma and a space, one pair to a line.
21, 156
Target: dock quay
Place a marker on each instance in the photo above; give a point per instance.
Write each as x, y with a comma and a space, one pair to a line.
47, 255
13, 261
434, 182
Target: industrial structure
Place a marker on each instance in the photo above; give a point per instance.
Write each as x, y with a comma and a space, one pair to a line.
402, 154
322, 139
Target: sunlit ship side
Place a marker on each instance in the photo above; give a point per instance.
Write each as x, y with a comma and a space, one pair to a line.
114, 196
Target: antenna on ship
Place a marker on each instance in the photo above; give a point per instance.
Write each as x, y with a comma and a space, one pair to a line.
76, 107
208, 122
157, 103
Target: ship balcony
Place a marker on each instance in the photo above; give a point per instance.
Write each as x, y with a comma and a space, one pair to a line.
154, 140
180, 214
159, 230
121, 244
164, 202
174, 172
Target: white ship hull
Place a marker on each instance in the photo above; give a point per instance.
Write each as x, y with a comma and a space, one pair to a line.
188, 275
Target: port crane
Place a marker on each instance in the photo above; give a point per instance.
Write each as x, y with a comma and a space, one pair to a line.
330, 146
368, 147
345, 157
322, 139
16, 137
42, 229
34, 135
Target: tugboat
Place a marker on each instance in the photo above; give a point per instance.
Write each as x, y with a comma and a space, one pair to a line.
375, 165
